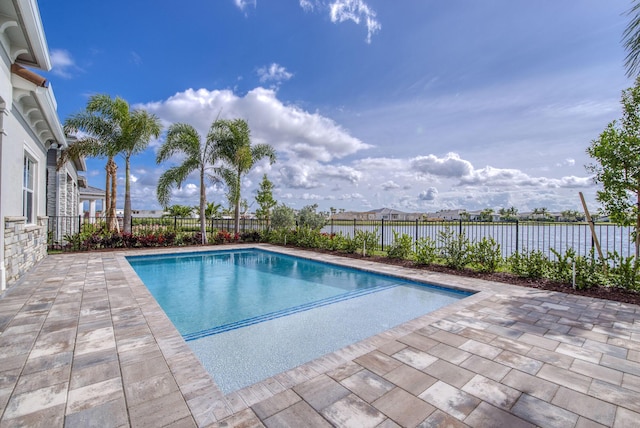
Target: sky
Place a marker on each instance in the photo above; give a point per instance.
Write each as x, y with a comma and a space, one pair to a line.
416, 105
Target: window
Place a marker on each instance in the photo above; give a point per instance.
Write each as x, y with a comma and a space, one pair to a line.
27, 188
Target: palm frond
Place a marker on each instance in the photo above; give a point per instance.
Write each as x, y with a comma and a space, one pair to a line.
631, 41
173, 177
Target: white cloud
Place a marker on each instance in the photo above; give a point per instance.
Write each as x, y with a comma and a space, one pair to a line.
62, 63
307, 5
490, 176
274, 73
242, 4
449, 166
298, 177
315, 175
289, 129
349, 196
567, 162
356, 11
390, 185
428, 195
136, 58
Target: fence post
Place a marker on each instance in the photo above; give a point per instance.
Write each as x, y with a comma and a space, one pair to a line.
460, 228
382, 235
79, 223
517, 235
331, 225
175, 222
415, 242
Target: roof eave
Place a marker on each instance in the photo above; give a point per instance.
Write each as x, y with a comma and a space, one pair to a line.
34, 31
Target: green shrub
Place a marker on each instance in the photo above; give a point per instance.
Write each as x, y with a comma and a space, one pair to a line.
401, 247
426, 251
364, 239
308, 238
348, 244
454, 248
590, 272
623, 271
529, 264
485, 255
561, 269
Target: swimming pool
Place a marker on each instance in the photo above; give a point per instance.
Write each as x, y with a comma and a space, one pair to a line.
250, 314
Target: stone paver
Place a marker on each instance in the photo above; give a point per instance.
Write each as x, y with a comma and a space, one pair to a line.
83, 343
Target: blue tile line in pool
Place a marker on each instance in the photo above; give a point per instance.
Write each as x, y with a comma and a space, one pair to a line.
278, 314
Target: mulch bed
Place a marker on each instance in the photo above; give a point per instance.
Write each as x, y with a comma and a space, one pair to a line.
616, 294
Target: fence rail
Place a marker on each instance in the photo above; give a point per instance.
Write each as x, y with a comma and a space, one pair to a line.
62, 228
514, 236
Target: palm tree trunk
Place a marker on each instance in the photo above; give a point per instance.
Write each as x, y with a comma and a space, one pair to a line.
638, 226
113, 220
127, 196
203, 202
107, 193
237, 204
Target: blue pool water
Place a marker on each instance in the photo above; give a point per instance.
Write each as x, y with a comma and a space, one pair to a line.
250, 314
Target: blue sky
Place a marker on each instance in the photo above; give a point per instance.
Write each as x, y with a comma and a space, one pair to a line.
418, 105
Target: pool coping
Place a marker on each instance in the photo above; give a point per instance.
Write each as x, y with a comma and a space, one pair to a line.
82, 340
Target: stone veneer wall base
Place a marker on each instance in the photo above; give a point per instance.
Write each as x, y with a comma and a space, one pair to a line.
24, 246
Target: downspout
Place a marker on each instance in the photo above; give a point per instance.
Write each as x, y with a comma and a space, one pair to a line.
3, 270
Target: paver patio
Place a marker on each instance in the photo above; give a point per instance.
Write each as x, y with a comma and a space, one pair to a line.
83, 343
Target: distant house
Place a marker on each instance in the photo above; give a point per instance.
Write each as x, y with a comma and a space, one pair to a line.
377, 215
447, 214
29, 142
91, 195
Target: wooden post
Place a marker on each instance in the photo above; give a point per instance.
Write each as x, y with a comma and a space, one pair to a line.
591, 226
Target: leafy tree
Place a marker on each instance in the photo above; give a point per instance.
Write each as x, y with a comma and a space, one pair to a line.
198, 156
308, 218
180, 211
486, 214
283, 217
617, 164
233, 147
265, 200
112, 129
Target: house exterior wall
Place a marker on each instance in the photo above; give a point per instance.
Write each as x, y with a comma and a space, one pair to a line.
29, 125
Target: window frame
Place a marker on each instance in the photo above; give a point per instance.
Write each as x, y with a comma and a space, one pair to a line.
29, 166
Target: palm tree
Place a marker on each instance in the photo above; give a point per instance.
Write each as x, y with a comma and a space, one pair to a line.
180, 211
631, 41
212, 210
184, 139
112, 128
233, 147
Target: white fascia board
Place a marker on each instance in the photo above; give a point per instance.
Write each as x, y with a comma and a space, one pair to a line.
34, 32
46, 101
49, 106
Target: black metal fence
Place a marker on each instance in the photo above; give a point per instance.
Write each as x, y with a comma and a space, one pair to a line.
514, 236
62, 228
